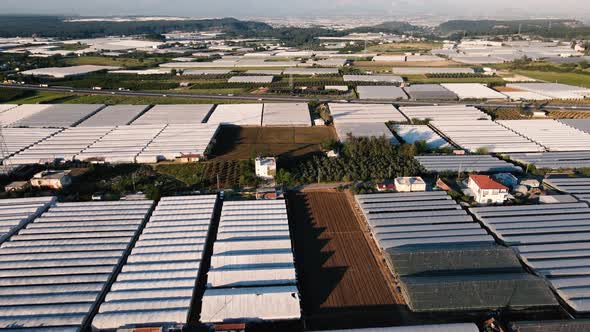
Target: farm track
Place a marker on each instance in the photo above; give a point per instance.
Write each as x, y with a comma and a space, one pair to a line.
342, 282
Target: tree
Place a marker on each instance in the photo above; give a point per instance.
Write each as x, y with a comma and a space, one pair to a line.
482, 150
283, 178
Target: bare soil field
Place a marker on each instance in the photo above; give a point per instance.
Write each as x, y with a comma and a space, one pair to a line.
341, 280
238, 143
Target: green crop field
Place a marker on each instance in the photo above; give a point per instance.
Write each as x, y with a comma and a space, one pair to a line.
114, 61
565, 78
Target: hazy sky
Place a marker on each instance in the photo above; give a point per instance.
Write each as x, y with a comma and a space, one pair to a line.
240, 8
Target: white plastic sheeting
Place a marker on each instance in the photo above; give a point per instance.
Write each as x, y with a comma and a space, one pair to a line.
252, 274
17, 212
61, 288
237, 114
484, 134
286, 114
174, 114
553, 135
157, 283
396, 220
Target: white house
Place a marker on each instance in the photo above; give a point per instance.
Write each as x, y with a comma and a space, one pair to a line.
487, 191
266, 167
408, 184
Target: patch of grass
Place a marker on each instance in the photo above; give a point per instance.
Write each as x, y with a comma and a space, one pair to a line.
565, 78
41, 97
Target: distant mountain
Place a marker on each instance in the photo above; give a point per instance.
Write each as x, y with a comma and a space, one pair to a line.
390, 27
542, 27
56, 26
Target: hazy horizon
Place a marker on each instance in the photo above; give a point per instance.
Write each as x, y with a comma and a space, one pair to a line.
270, 8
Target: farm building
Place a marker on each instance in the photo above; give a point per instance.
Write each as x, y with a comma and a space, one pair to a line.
413, 133
18, 212
311, 71
430, 243
237, 114
429, 92
473, 91
373, 78
551, 134
122, 145
65, 260
115, 115
63, 72
553, 160
548, 239
553, 90
444, 113
258, 79
51, 179
386, 212
19, 139
157, 283
252, 275
286, 114
486, 190
177, 141
271, 72
362, 113
369, 129
490, 136
61, 147
175, 114
409, 184
55, 116
386, 92
431, 70
265, 167
200, 72
466, 164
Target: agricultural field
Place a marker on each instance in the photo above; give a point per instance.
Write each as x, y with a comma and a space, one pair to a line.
114, 61
559, 77
341, 280
400, 48
568, 115
239, 143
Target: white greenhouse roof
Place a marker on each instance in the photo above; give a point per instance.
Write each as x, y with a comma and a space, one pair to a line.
62, 288
237, 114
286, 114
175, 114
412, 134
250, 304
551, 134
157, 283
473, 91
364, 113
387, 92
115, 115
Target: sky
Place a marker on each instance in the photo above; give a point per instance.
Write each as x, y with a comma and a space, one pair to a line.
247, 8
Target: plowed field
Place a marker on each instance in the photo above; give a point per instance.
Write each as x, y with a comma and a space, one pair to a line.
341, 281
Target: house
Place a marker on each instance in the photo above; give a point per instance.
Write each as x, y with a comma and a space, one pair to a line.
16, 186
409, 184
487, 191
266, 167
51, 179
506, 179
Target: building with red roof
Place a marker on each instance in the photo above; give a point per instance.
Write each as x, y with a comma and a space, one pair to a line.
486, 190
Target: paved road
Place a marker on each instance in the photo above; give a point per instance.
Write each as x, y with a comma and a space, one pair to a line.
580, 107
